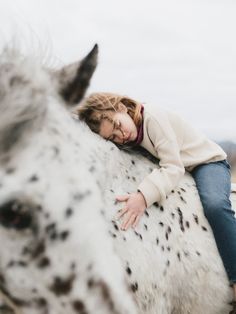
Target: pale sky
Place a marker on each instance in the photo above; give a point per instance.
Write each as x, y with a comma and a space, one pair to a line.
177, 54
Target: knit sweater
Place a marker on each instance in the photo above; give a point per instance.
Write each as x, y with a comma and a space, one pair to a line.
177, 145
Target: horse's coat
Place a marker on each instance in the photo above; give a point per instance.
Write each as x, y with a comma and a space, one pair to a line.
61, 248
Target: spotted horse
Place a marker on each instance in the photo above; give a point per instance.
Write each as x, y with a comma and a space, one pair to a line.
61, 247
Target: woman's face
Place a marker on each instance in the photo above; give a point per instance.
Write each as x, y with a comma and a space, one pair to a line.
122, 130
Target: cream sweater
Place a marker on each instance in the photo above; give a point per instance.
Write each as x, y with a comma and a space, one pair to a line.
177, 146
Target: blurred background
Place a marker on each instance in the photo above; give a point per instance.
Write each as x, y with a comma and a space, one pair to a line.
177, 54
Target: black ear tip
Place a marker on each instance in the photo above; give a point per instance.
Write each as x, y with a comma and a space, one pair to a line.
95, 49
92, 55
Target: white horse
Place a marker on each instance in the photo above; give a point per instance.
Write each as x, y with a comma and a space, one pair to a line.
61, 249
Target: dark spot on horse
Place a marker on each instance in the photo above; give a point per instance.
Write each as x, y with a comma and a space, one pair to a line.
146, 213
168, 248
56, 151
161, 208
10, 170
33, 178
79, 307
162, 247
204, 228
128, 177
167, 263
44, 262
145, 226
62, 286
90, 283
157, 241
161, 224
182, 199
187, 224
18, 80
134, 287
112, 234
198, 253
134, 179
38, 208
138, 234
41, 302
183, 189
124, 238
179, 257
51, 231
180, 219
69, 212
156, 204
128, 270
195, 218
38, 250
46, 215
115, 225
2, 280
111, 191
133, 162
172, 191
186, 253
102, 212
64, 235
80, 196
179, 192
173, 215
17, 263
91, 169
73, 265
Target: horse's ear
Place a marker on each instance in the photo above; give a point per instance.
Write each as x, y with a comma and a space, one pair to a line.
74, 78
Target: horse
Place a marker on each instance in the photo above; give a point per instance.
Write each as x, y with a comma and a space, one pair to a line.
62, 249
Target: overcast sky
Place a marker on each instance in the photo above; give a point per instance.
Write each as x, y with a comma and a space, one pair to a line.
177, 54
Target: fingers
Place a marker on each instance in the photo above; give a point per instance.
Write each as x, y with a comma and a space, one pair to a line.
122, 198
136, 221
128, 221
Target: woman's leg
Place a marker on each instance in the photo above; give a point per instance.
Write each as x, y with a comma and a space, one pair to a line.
213, 181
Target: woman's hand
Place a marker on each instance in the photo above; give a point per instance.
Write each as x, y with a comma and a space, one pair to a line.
132, 210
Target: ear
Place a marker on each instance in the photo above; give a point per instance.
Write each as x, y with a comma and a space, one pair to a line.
74, 78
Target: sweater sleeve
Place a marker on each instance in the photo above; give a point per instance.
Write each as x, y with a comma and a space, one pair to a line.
157, 185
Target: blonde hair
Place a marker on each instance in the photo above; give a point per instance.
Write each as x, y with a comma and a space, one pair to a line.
95, 108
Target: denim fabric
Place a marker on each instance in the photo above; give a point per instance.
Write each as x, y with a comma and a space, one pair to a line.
213, 181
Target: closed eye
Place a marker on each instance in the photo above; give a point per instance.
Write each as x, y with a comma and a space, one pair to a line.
116, 126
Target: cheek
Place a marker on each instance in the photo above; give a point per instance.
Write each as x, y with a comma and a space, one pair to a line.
105, 129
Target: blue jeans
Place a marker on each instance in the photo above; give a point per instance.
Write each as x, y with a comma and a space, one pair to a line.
213, 181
